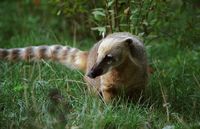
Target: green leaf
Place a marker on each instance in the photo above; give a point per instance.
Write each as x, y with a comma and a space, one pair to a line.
110, 3
100, 29
97, 12
58, 13
18, 88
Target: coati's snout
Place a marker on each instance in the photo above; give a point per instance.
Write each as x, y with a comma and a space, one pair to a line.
94, 72
102, 66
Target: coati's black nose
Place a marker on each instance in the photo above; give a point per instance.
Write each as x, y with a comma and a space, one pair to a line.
95, 72
91, 75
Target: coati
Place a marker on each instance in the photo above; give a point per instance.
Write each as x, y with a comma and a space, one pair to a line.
116, 64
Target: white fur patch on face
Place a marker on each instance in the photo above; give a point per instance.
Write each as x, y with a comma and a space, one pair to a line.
107, 44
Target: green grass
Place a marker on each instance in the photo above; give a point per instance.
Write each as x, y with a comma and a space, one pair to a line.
45, 95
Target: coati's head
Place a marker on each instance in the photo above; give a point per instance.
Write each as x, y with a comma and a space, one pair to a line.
112, 51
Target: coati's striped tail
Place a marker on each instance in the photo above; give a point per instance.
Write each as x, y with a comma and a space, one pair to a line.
71, 57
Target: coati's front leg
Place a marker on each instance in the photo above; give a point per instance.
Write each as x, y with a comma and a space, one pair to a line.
107, 93
108, 89
99, 87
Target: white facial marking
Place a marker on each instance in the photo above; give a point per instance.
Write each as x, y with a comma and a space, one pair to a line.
106, 43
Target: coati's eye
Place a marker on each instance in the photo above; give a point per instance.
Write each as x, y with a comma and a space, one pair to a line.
109, 58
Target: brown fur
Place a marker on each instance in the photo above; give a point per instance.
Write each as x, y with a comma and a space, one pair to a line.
41, 52
129, 78
3, 53
28, 53
14, 54
116, 65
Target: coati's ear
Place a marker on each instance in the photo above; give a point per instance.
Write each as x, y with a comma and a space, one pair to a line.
132, 49
130, 44
129, 41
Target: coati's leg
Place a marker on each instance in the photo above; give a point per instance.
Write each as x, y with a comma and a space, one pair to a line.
136, 95
107, 93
